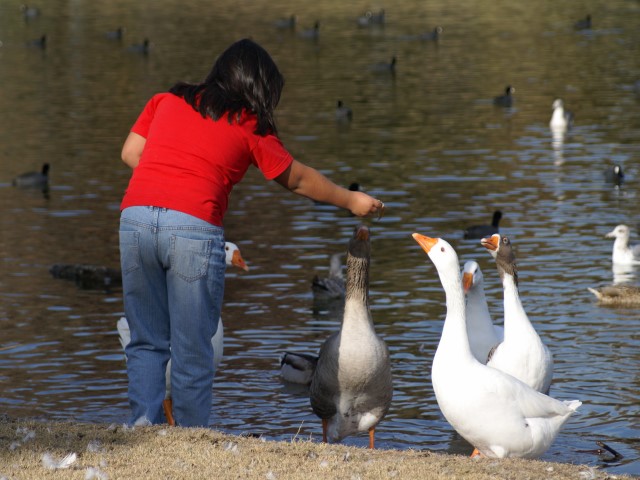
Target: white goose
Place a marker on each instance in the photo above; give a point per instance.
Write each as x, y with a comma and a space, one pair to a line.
233, 257
521, 353
351, 387
623, 254
483, 334
495, 412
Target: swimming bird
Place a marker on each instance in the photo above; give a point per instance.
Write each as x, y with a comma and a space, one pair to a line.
343, 113
88, 277
617, 294
434, 35
623, 253
311, 33
583, 24
483, 334
495, 412
144, 48
33, 179
296, 367
233, 257
288, 23
614, 174
561, 119
351, 387
507, 99
332, 286
29, 12
369, 18
481, 231
386, 66
40, 42
522, 353
116, 34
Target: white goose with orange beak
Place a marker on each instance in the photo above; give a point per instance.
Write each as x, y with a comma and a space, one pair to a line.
233, 258
495, 412
522, 353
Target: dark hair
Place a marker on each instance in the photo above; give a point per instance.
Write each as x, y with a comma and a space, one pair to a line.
243, 77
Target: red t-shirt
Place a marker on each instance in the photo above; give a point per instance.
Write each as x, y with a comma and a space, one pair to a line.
190, 163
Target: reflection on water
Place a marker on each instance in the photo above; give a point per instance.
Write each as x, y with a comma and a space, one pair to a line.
424, 136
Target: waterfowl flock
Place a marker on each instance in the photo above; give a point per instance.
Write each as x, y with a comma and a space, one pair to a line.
504, 371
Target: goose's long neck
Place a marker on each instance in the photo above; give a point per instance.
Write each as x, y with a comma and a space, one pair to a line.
477, 299
515, 317
454, 331
357, 290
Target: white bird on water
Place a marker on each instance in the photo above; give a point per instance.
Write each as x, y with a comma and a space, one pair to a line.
623, 253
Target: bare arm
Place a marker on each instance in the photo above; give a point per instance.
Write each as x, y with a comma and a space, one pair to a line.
132, 149
310, 183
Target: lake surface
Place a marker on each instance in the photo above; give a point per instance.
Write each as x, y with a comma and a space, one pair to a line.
426, 139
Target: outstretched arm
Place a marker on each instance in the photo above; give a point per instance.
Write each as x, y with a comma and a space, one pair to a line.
310, 183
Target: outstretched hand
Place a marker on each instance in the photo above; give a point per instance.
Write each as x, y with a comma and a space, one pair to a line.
363, 205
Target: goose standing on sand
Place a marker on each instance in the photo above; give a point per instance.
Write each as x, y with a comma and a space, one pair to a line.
33, 179
561, 119
481, 231
483, 334
521, 353
351, 387
233, 258
623, 254
496, 413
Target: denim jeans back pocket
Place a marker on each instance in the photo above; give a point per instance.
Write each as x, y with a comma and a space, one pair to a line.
189, 257
129, 250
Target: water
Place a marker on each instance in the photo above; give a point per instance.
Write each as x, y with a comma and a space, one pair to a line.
427, 140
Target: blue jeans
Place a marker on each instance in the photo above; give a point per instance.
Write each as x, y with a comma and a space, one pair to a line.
173, 268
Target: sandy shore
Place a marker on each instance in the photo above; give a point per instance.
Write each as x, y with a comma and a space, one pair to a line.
31, 449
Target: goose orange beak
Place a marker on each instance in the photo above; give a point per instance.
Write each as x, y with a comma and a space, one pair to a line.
238, 261
467, 281
491, 243
425, 242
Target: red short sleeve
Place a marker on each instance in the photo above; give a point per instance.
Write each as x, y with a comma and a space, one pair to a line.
271, 157
141, 127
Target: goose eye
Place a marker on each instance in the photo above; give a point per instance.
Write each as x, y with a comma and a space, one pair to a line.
505, 240
442, 249
226, 249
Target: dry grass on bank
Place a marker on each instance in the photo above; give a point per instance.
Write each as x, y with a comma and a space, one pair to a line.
28, 449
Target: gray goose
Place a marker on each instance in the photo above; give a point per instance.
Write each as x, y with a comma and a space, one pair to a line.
351, 387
